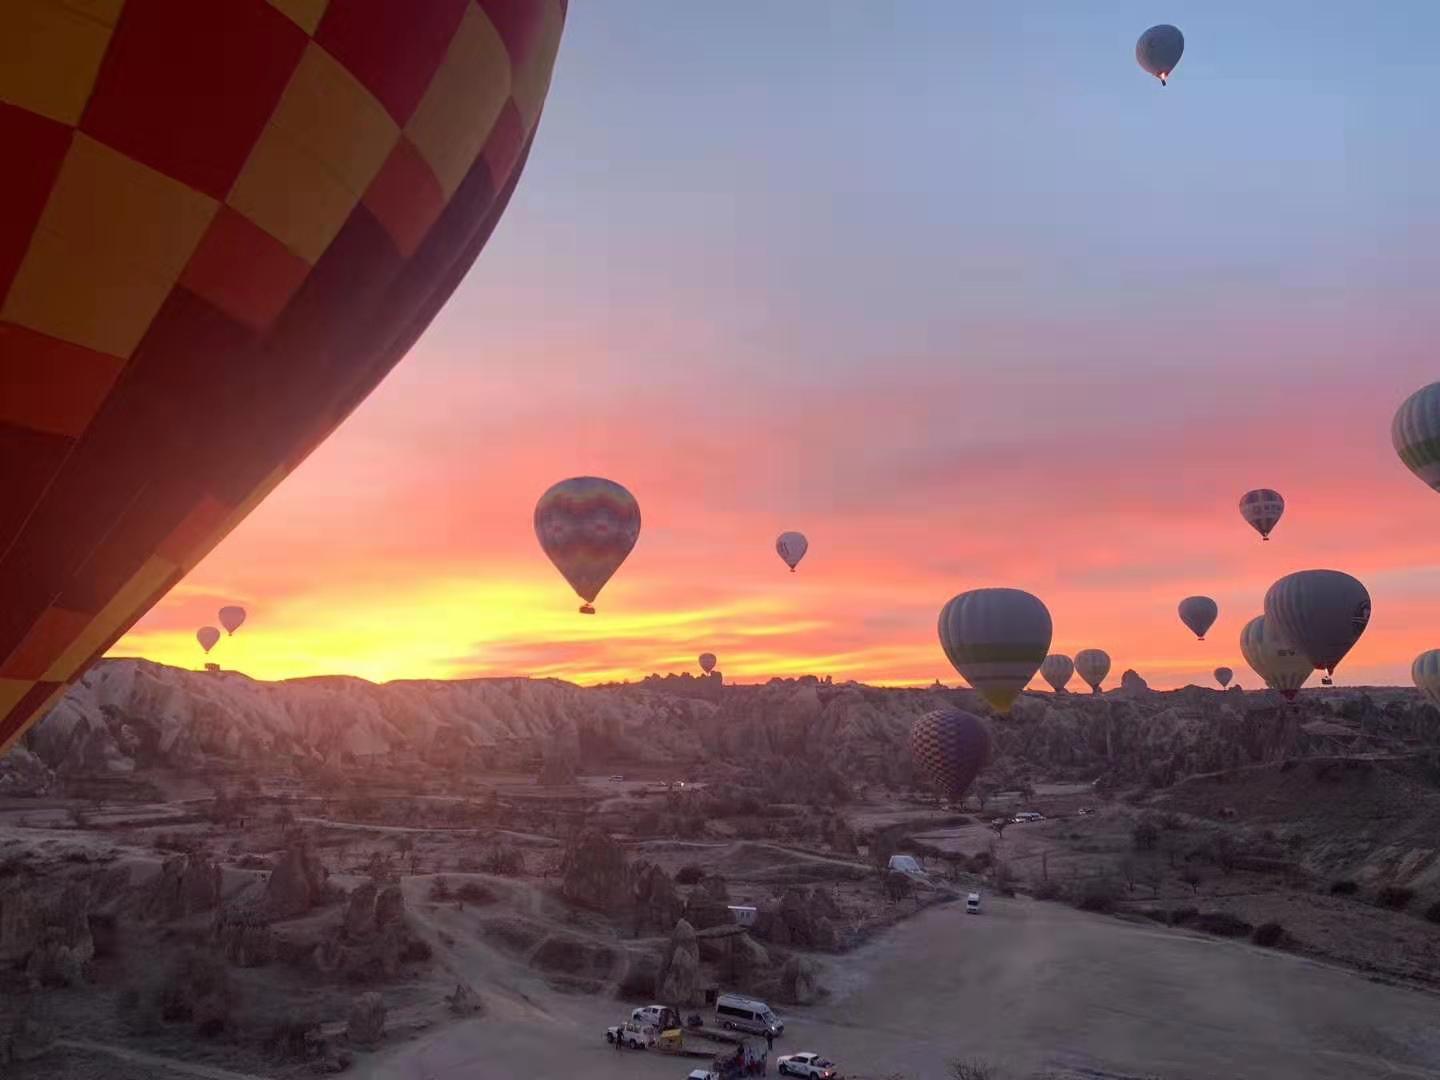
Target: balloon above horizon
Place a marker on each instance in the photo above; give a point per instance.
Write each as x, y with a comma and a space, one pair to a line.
1223, 675
1199, 614
707, 662
232, 616
792, 546
1273, 658
207, 636
224, 223
1323, 612
1092, 665
1159, 50
587, 526
1415, 434
950, 746
1056, 670
996, 639
1262, 510
1425, 672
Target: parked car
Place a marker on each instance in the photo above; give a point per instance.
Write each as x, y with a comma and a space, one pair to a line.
809, 1065
635, 1036
1085, 810
972, 904
1027, 816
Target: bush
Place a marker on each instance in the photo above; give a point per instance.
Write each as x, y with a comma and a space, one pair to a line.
1343, 888
1181, 916
1433, 912
416, 950
1047, 890
689, 874
1145, 834
1098, 894
971, 1070
1269, 934
1395, 897
503, 860
1222, 924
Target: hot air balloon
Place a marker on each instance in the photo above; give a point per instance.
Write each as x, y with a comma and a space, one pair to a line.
950, 746
1223, 675
1273, 658
1262, 509
231, 616
997, 639
207, 636
1198, 613
1415, 432
1092, 665
1159, 49
1056, 669
1323, 612
223, 224
707, 662
1426, 673
587, 526
792, 547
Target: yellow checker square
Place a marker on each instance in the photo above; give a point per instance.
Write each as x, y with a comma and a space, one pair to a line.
463, 100
305, 14
143, 584
108, 248
532, 79
327, 111
50, 52
12, 691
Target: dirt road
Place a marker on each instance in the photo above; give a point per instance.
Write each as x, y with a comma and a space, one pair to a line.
1027, 987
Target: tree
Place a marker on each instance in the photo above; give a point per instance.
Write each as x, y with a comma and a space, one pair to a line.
983, 790
999, 825
1129, 872
897, 886
1145, 834
1193, 878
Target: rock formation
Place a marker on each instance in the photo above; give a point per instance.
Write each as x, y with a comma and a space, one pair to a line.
1132, 683
799, 984
709, 903
656, 903
464, 1001
680, 971
297, 884
187, 885
46, 931
594, 873
367, 1019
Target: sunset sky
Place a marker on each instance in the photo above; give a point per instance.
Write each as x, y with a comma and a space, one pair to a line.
952, 287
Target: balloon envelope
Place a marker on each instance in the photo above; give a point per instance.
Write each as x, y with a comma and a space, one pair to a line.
1415, 433
1092, 665
791, 547
231, 616
1198, 613
223, 224
1262, 509
1322, 612
707, 662
1159, 50
950, 746
1056, 669
996, 639
1426, 673
1273, 658
587, 525
207, 636
1223, 675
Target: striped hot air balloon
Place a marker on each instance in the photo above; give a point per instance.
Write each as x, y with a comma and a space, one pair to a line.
1092, 665
1415, 433
222, 222
1262, 510
1273, 658
1056, 669
996, 639
1322, 612
950, 746
1426, 673
587, 526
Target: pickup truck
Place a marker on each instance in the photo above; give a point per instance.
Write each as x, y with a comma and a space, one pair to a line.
636, 1036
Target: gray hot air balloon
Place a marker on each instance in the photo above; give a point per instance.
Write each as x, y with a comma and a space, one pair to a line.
1159, 49
207, 636
791, 547
1262, 509
1322, 612
996, 638
1273, 658
1223, 675
1426, 673
1056, 670
1415, 432
1198, 613
231, 617
1092, 665
707, 662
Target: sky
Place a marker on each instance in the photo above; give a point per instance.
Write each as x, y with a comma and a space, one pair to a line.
952, 287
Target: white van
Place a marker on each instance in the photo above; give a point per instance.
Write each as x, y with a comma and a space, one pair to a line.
972, 904
736, 1013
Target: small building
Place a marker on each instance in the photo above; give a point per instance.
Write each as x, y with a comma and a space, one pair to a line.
743, 914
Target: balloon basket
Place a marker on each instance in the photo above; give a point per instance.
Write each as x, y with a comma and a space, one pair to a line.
586, 609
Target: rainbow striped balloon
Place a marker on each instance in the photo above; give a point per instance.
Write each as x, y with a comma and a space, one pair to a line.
587, 525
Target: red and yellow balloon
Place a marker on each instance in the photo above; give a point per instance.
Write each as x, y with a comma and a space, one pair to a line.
221, 224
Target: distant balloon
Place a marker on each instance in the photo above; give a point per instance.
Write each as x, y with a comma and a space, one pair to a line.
707, 662
207, 636
1273, 658
950, 746
1056, 669
1415, 432
1323, 612
1092, 665
1262, 509
1198, 613
231, 616
1426, 673
792, 547
996, 639
587, 526
1159, 49
1223, 675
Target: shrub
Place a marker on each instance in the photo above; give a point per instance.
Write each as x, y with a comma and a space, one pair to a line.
1433, 912
1145, 834
1343, 888
416, 951
1222, 924
1269, 934
971, 1070
1395, 897
689, 874
504, 860
1098, 894
1181, 916
1048, 890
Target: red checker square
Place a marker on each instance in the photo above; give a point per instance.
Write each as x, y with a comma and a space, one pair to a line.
28, 462
392, 48
519, 23
506, 140
51, 385
243, 270
48, 638
186, 87
198, 525
405, 197
35, 146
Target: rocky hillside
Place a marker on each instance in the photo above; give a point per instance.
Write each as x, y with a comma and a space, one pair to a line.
133, 714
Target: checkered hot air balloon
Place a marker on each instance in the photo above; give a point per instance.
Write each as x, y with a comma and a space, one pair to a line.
587, 525
221, 223
1262, 510
950, 746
